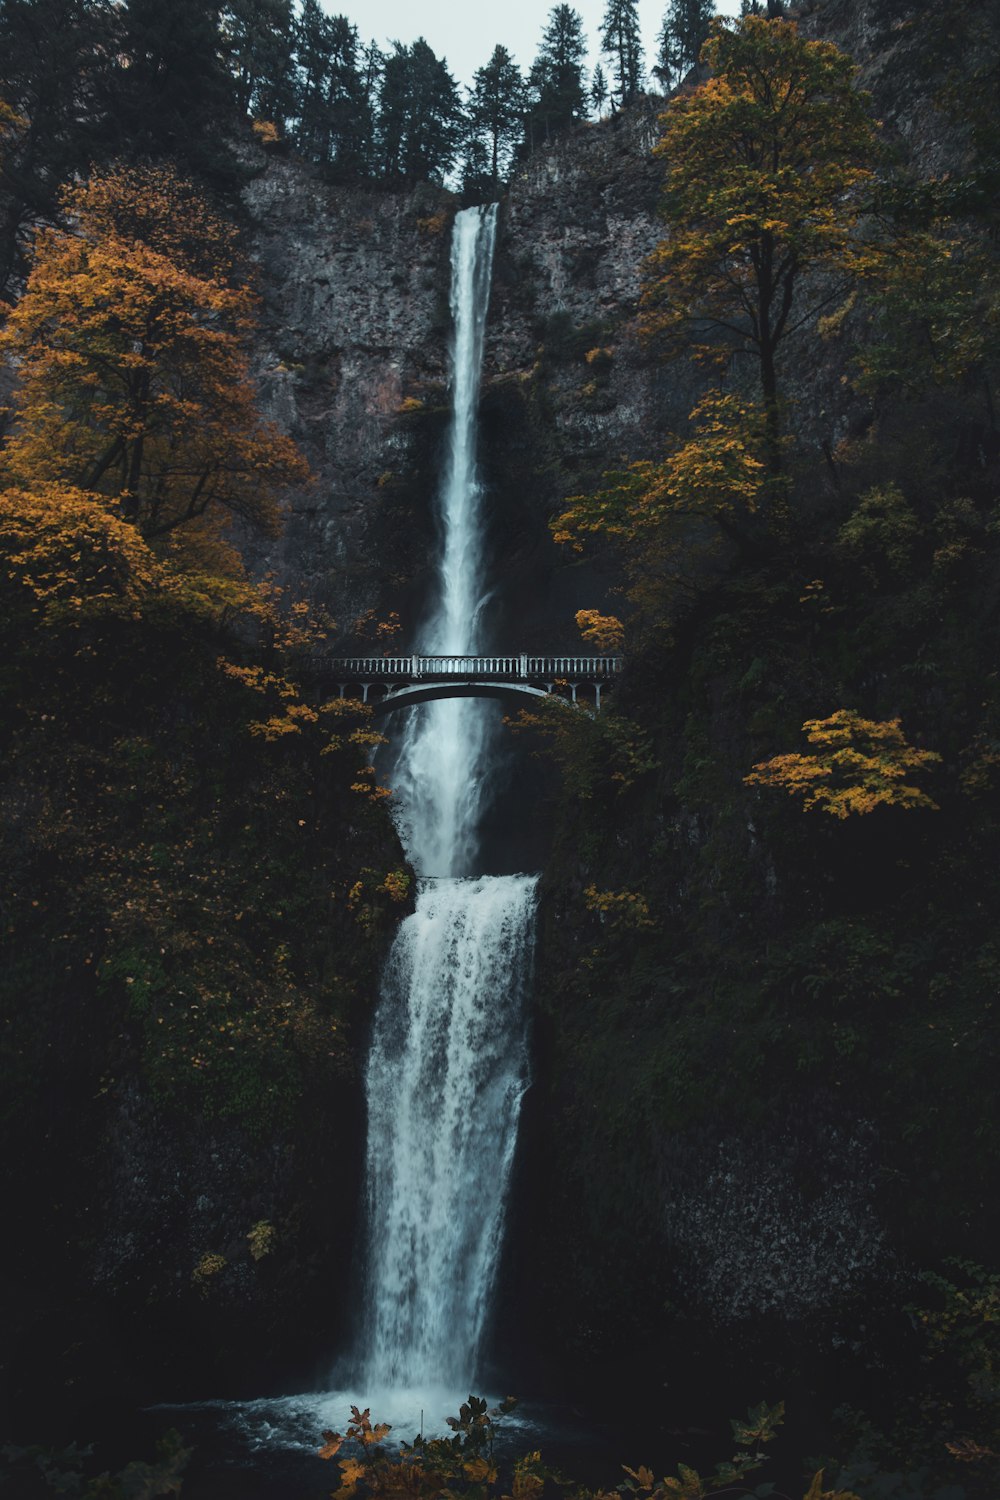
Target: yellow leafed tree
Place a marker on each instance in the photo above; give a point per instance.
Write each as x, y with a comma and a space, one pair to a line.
64, 556
134, 381
856, 765
768, 166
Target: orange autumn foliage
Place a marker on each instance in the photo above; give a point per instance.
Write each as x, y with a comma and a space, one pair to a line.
857, 765
714, 474
134, 379
606, 632
64, 556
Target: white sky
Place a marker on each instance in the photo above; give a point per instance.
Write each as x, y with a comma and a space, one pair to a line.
464, 32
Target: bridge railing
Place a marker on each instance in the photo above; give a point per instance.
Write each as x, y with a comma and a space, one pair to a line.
506, 668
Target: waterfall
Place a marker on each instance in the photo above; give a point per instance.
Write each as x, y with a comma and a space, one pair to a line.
445, 1079
448, 1064
441, 768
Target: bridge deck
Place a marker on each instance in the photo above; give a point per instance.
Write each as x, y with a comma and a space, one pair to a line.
517, 668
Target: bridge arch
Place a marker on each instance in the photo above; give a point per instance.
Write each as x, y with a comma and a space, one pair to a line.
429, 692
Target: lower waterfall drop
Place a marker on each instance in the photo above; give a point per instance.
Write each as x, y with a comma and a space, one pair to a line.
447, 1070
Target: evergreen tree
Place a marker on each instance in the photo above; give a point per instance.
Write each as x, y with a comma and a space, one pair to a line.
421, 122
260, 39
598, 90
334, 124
496, 111
556, 78
684, 33
621, 41
174, 96
55, 61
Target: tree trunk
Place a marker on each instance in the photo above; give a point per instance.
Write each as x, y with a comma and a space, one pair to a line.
772, 414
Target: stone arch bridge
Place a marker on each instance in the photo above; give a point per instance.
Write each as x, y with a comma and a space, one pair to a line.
391, 682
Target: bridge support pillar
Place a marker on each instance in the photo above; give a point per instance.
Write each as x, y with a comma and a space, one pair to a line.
573, 687
364, 691
341, 689
597, 697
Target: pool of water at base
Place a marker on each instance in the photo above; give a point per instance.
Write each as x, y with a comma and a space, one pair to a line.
267, 1449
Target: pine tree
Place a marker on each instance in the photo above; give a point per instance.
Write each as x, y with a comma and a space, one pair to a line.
421, 122
334, 124
56, 58
684, 33
556, 78
174, 96
496, 110
598, 90
259, 37
621, 41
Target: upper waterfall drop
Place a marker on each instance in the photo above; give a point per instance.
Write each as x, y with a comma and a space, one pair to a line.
455, 627
441, 767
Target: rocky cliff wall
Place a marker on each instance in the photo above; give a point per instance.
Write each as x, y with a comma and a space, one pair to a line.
355, 295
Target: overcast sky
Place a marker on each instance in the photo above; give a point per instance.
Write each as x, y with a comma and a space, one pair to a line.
466, 31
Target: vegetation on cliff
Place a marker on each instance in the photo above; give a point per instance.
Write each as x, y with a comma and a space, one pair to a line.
199, 870
767, 1039
729, 976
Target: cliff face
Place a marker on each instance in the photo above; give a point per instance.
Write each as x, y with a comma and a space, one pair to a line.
355, 295
353, 362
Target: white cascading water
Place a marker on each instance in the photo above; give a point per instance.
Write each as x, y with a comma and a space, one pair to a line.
440, 770
448, 1062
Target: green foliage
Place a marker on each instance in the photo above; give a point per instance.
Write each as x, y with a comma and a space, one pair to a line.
259, 39
621, 42
189, 865
333, 102
496, 111
556, 92
677, 520
40, 1472
942, 1436
464, 1465
881, 535
461, 1465
595, 755
962, 1332
172, 90
562, 339
937, 308
686, 25
420, 122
